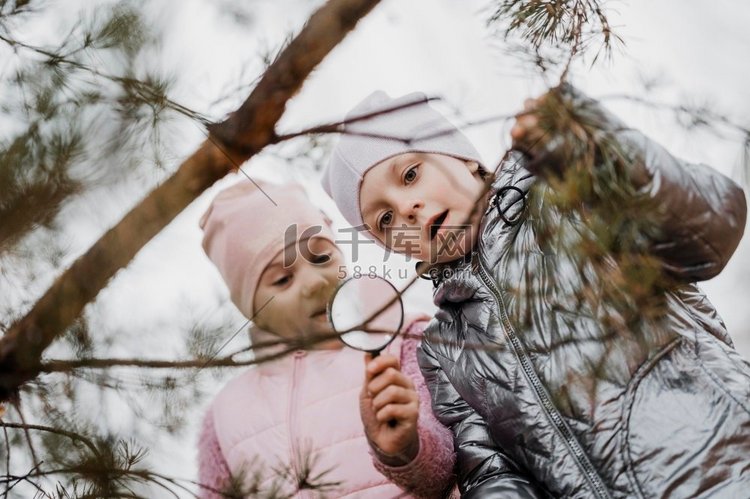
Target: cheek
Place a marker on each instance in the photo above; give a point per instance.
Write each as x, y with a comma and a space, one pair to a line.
261, 297
460, 188
275, 315
444, 190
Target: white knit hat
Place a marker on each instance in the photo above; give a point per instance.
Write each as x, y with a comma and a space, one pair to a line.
367, 142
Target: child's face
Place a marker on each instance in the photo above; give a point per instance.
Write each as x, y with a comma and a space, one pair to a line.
295, 296
419, 204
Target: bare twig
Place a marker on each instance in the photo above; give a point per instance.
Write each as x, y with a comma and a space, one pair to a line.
7, 456
17, 407
699, 114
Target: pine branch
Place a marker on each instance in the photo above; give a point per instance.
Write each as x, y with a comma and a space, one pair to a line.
243, 134
57, 431
555, 32
143, 89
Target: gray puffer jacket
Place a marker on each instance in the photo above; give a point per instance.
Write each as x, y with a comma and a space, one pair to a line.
544, 400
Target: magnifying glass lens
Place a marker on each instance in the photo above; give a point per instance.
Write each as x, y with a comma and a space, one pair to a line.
366, 312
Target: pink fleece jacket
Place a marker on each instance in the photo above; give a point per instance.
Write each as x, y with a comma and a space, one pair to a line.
308, 404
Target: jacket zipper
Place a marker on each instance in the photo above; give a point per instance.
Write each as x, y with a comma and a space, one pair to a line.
297, 366
552, 413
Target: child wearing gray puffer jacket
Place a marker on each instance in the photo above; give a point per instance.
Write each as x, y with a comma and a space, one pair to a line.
549, 388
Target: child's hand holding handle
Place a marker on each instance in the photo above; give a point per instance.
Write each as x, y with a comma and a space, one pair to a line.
389, 407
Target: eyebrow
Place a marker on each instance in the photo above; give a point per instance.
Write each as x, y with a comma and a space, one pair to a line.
273, 266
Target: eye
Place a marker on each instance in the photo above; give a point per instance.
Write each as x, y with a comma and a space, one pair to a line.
411, 174
321, 259
386, 219
282, 280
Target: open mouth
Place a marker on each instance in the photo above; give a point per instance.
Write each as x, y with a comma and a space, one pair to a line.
319, 315
437, 223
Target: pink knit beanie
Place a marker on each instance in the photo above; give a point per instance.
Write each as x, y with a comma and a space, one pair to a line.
372, 140
245, 227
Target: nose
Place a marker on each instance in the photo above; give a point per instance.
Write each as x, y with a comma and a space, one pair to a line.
408, 208
314, 282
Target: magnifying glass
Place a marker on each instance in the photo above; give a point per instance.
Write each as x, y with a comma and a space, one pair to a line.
366, 312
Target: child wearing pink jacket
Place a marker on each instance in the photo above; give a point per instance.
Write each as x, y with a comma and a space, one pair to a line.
294, 425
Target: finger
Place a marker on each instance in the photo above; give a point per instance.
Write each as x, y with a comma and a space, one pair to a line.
388, 377
399, 412
518, 131
535, 138
524, 123
528, 121
528, 133
393, 395
380, 364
